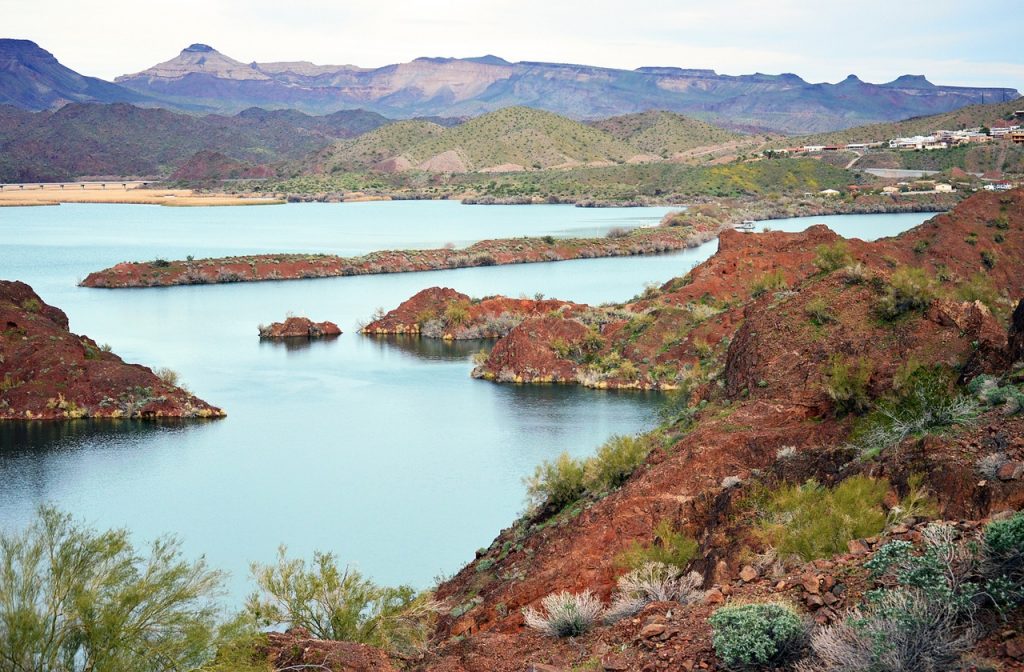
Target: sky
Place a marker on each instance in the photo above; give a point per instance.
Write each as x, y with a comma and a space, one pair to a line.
949, 42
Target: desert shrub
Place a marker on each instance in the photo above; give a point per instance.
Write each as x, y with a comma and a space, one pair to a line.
555, 484
846, 384
945, 569
988, 259
168, 376
811, 521
819, 312
773, 281
75, 599
669, 547
701, 312
857, 274
832, 257
617, 232
909, 289
987, 389
561, 347
917, 503
652, 582
752, 636
565, 614
31, 305
339, 604
1004, 551
456, 314
979, 288
903, 631
614, 462
927, 402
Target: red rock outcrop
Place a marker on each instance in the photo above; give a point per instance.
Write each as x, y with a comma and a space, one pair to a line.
497, 252
49, 373
299, 327
298, 650
441, 312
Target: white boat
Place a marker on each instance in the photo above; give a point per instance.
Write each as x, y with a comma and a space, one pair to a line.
747, 225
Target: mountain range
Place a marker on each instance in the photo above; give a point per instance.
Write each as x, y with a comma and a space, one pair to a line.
201, 79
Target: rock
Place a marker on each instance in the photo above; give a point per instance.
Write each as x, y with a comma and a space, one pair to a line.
299, 327
614, 662
714, 597
295, 650
541, 667
811, 583
1014, 648
1011, 471
857, 547
1015, 344
748, 573
814, 602
652, 630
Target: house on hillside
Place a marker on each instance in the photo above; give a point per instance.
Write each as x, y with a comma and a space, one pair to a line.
944, 188
829, 192
1017, 137
890, 190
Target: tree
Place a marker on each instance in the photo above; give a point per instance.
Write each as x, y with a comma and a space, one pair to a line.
76, 600
339, 604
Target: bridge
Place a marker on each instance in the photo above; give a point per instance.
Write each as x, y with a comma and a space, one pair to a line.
66, 186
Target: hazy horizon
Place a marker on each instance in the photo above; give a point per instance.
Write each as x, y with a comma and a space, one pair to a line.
876, 41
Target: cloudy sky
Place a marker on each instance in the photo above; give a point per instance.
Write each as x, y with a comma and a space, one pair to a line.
950, 42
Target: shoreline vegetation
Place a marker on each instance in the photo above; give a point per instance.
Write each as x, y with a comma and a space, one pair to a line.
677, 231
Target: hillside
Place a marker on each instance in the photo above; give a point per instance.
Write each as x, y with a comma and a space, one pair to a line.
120, 139
971, 116
664, 134
830, 397
511, 139
31, 78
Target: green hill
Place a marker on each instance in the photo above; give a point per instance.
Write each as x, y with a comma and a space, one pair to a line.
971, 116
664, 134
513, 138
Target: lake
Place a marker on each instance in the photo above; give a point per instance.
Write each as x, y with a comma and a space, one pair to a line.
382, 450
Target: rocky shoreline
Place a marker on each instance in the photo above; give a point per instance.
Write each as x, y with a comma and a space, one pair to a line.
49, 373
496, 252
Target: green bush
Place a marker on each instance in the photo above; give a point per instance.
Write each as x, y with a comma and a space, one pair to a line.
926, 402
669, 547
846, 384
74, 599
1004, 549
909, 289
979, 288
753, 636
614, 462
819, 312
832, 257
339, 604
773, 281
812, 521
555, 484
456, 314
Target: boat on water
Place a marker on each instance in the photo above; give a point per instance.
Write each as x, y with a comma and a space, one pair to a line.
746, 225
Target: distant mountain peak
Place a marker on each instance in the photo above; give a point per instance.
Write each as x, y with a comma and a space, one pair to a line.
199, 47
32, 78
910, 82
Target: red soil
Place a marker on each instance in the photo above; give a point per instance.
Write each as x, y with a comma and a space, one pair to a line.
49, 373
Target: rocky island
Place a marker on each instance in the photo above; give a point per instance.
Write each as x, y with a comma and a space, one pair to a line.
299, 327
49, 373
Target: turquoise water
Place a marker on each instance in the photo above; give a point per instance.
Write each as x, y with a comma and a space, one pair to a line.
383, 451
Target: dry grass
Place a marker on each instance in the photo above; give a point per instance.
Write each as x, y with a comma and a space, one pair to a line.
116, 194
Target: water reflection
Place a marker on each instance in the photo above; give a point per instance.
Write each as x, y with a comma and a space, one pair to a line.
431, 349
296, 343
19, 438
